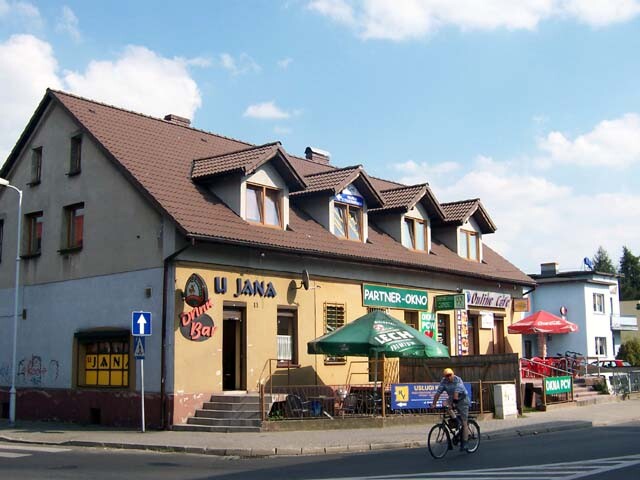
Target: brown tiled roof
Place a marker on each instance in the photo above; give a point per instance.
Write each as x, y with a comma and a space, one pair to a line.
459, 211
333, 181
242, 160
157, 157
402, 197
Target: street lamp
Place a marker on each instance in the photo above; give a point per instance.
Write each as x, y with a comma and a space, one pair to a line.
12, 391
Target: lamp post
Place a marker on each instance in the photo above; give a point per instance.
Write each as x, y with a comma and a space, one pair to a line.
12, 391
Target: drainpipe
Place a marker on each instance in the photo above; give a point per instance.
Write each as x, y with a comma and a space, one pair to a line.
163, 363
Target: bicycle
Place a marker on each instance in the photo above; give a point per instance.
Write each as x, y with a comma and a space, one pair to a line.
445, 435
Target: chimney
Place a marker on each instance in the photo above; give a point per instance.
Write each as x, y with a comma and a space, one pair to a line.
177, 120
317, 155
549, 269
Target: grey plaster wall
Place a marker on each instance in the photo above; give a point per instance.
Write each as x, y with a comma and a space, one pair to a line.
122, 231
57, 310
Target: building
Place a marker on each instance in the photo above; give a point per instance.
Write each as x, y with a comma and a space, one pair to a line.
630, 308
241, 253
586, 298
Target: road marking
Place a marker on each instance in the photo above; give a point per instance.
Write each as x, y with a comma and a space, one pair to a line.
18, 451
550, 471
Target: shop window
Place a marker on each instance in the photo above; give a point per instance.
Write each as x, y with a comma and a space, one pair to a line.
469, 245
443, 329
36, 166
347, 221
75, 157
334, 315
598, 302
411, 319
34, 223
601, 346
263, 205
103, 362
287, 337
472, 335
415, 234
74, 226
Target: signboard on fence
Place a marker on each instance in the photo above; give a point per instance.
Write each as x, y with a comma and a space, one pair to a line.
557, 385
417, 395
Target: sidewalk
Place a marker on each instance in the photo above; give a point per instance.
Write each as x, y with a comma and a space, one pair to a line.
261, 444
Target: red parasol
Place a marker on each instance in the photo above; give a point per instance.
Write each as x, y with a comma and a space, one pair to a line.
542, 323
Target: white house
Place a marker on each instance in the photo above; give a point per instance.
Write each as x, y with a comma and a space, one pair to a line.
590, 300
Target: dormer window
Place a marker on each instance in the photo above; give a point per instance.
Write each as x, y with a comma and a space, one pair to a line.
263, 205
347, 221
469, 245
415, 234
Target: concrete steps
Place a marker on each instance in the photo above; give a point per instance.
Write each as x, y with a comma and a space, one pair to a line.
585, 394
226, 414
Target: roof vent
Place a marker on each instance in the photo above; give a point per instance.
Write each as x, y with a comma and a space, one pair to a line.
317, 155
177, 119
550, 268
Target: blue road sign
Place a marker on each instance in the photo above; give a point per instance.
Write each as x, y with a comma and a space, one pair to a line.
140, 324
138, 350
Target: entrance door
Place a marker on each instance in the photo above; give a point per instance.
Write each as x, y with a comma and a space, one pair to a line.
233, 349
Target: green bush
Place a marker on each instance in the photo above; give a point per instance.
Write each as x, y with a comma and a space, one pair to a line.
630, 351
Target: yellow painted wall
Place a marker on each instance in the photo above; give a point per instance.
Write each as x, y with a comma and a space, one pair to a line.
198, 365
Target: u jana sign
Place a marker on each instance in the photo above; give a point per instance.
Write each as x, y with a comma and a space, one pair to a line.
391, 297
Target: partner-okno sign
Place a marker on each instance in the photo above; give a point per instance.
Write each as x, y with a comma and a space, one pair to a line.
391, 297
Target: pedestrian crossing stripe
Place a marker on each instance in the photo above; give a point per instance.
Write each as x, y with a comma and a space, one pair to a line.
19, 451
551, 471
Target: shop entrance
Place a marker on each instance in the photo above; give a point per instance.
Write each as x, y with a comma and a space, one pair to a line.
234, 341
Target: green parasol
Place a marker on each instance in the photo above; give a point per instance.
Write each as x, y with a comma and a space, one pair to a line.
377, 333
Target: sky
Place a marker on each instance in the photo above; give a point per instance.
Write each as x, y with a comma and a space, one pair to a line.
533, 106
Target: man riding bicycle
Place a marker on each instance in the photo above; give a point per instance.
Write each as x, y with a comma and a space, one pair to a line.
458, 399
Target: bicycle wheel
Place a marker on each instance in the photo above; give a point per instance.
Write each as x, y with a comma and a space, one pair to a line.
473, 442
438, 441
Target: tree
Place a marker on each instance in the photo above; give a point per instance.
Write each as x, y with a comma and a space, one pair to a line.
630, 271
630, 351
602, 262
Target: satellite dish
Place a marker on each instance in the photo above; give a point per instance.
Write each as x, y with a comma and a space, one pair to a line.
587, 261
305, 279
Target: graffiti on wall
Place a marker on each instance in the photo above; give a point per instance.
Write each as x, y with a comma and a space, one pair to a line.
31, 371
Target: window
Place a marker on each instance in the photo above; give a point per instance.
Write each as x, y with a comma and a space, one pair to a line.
34, 233
74, 225
263, 205
598, 302
103, 363
347, 221
334, 315
601, 346
415, 234
411, 319
36, 166
287, 337
469, 245
75, 159
1, 235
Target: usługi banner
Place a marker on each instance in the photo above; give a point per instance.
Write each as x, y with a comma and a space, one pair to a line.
418, 395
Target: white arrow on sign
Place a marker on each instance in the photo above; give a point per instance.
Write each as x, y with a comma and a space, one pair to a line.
141, 323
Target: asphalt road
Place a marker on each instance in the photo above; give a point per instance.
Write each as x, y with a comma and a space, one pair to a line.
602, 453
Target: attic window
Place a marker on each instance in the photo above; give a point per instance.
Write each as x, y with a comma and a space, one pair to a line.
415, 235
347, 221
469, 245
264, 205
